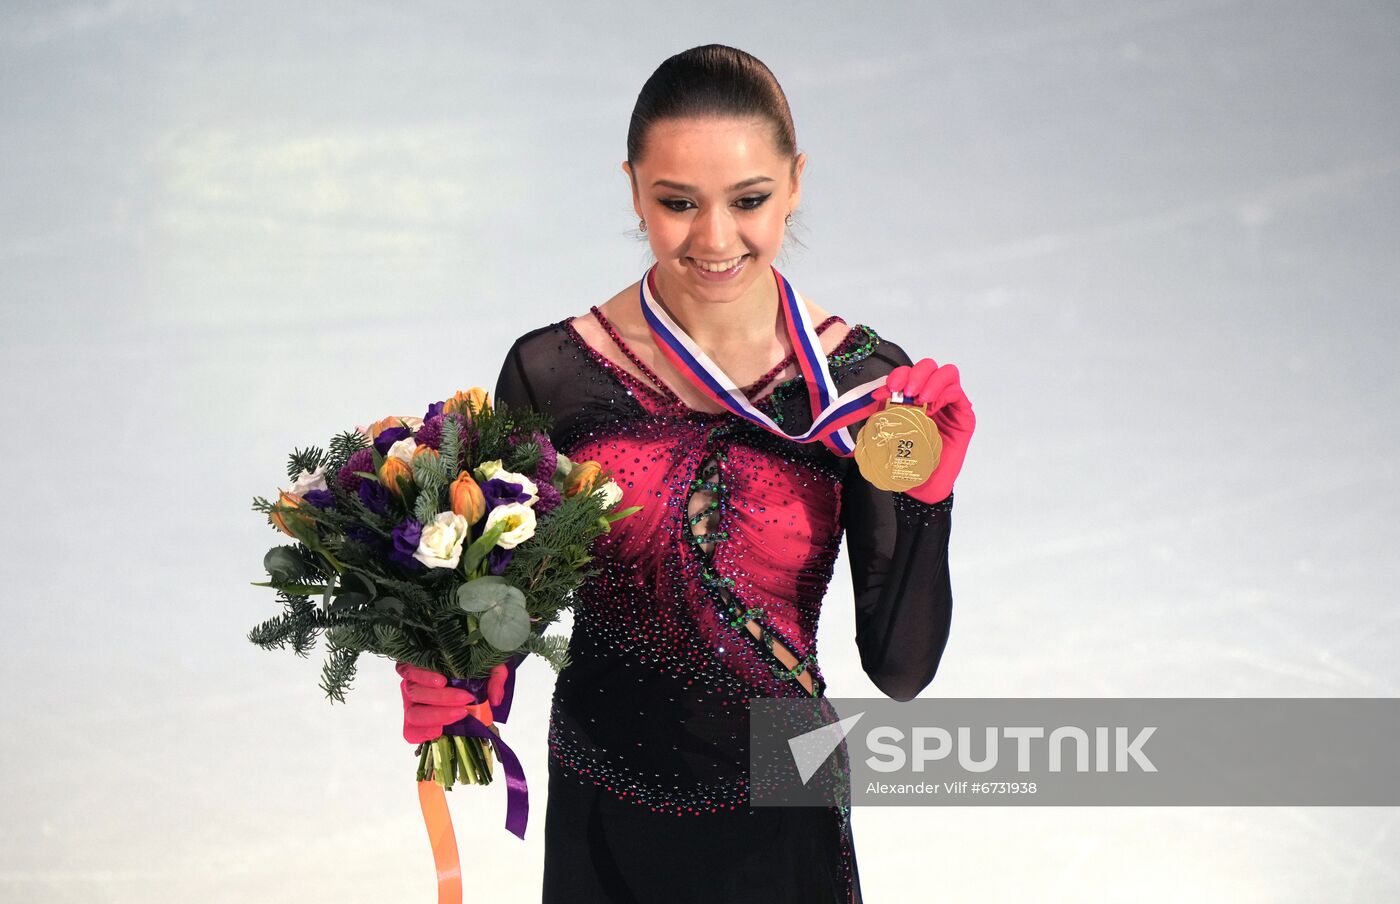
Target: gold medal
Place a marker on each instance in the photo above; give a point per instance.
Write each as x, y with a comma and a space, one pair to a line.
899, 446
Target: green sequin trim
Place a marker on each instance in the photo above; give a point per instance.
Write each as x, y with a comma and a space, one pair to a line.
859, 353
736, 617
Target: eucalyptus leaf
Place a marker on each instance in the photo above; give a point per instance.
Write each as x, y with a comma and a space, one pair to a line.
489, 592
358, 582
284, 566
348, 600
506, 627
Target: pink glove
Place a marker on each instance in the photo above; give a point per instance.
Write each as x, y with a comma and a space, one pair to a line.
429, 704
944, 401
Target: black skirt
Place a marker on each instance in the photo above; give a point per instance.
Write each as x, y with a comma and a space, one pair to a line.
599, 849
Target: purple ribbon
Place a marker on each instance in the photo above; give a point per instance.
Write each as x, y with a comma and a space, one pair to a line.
517, 794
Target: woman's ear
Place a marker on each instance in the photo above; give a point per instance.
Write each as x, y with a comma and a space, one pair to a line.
631, 178
795, 197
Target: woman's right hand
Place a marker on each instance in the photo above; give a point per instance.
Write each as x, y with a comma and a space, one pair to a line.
429, 704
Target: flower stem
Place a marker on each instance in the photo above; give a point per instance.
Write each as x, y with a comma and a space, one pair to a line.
465, 763
443, 767
490, 755
423, 753
479, 760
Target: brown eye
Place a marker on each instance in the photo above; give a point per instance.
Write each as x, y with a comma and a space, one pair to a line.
752, 202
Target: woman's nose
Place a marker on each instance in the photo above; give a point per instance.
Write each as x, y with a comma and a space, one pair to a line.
712, 232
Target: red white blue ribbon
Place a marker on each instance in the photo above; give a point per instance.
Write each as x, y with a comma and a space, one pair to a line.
832, 410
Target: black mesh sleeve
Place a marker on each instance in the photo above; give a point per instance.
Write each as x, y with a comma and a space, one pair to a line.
513, 384
898, 551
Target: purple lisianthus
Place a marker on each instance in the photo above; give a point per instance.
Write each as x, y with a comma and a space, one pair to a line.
388, 436
321, 499
361, 460
434, 410
498, 492
497, 560
375, 496
406, 536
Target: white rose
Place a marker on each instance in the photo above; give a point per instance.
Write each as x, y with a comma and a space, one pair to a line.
611, 493
487, 469
520, 523
307, 481
440, 545
403, 449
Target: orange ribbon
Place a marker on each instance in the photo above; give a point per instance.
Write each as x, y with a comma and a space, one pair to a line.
438, 819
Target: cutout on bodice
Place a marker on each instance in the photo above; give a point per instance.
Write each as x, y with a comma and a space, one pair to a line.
703, 516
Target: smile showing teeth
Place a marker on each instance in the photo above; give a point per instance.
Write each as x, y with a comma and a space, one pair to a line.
719, 267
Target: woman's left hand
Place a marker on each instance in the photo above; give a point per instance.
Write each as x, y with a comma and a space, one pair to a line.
943, 399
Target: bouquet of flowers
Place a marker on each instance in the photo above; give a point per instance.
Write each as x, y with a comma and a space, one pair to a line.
450, 542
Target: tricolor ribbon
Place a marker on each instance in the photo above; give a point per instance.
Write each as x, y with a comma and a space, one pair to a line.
832, 410
436, 816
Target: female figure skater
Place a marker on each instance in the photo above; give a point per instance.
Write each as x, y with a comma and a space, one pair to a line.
709, 596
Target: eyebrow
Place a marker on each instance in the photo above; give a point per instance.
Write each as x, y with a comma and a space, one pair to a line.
679, 186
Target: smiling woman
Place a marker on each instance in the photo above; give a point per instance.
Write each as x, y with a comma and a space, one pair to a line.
709, 597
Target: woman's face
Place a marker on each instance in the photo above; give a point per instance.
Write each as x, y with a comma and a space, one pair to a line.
714, 192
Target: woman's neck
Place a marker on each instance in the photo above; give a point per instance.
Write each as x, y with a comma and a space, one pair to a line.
750, 324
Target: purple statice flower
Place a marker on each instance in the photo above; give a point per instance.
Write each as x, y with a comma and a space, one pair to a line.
497, 560
361, 460
498, 492
549, 458
388, 436
321, 499
549, 498
406, 536
430, 434
434, 410
375, 496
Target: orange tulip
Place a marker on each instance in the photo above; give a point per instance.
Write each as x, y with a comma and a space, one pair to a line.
288, 500
391, 471
466, 497
465, 403
583, 478
426, 450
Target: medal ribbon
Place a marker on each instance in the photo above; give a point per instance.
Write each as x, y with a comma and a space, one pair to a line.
832, 411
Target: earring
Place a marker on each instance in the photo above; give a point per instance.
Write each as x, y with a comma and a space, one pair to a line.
642, 224
788, 219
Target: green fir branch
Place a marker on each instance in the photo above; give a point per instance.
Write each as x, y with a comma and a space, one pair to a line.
342, 446
338, 671
309, 459
552, 648
450, 447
